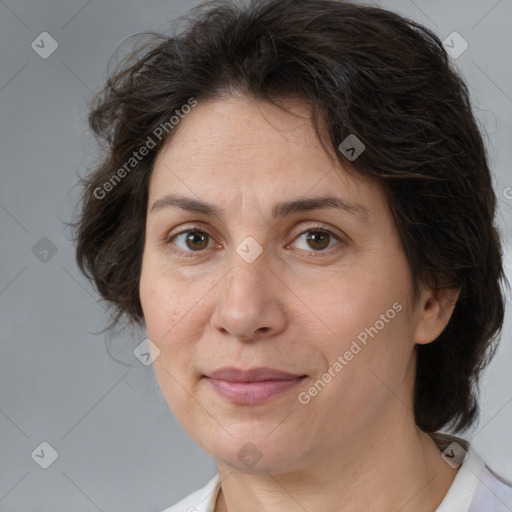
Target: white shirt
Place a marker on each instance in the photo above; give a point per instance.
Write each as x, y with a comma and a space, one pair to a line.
476, 488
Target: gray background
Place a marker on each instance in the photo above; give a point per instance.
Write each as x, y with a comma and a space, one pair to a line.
119, 448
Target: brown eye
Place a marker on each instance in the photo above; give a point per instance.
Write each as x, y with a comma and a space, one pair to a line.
192, 240
318, 240
196, 240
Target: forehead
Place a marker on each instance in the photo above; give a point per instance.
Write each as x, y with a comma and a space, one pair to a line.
241, 129
245, 149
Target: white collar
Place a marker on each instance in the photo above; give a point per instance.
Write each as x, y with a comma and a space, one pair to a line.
461, 492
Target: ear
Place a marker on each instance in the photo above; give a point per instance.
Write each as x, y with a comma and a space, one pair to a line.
434, 312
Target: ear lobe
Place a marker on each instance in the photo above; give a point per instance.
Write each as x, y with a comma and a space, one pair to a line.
434, 312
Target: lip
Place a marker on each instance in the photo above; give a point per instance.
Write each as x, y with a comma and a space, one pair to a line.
253, 386
259, 374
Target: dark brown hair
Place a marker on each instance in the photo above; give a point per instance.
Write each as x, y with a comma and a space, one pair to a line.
363, 71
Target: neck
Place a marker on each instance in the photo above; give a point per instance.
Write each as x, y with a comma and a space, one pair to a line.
399, 468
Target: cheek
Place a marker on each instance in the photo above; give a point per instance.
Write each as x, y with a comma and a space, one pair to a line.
361, 379
163, 306
171, 326
366, 311
360, 305
175, 315
162, 297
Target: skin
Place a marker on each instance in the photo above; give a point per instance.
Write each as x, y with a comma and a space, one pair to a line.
296, 308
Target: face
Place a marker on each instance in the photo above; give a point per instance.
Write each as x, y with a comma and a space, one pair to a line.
282, 318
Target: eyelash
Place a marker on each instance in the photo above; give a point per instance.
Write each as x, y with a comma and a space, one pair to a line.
195, 229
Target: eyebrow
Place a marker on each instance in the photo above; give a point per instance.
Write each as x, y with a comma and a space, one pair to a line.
279, 210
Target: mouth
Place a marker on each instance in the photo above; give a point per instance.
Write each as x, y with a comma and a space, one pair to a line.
250, 387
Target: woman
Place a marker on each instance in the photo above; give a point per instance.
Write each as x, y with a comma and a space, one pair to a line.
296, 204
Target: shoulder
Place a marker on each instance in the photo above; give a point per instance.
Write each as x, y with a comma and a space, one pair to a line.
476, 487
202, 500
493, 492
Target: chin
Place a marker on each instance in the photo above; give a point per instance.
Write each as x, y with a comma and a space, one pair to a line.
252, 450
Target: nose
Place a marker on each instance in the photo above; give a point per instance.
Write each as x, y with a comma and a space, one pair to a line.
249, 301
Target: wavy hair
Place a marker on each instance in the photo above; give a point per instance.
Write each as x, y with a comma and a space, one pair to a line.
361, 70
